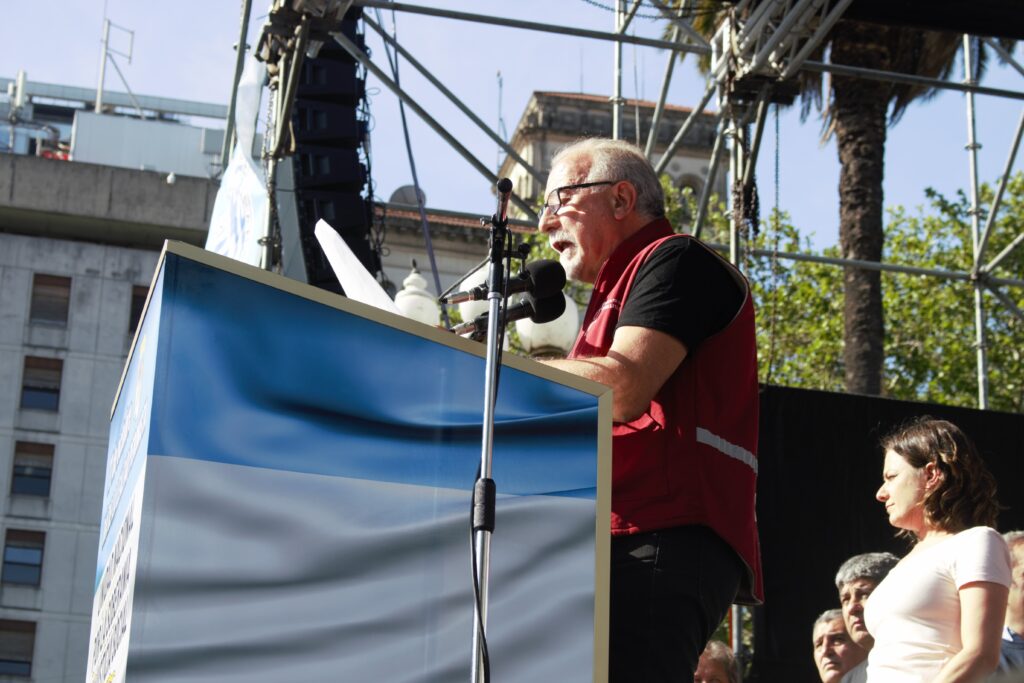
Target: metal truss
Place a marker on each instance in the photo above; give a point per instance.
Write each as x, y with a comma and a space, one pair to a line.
768, 48
755, 54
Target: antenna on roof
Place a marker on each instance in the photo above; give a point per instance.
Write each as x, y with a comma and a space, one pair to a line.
107, 54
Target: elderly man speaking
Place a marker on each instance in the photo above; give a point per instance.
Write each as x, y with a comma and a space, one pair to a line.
670, 328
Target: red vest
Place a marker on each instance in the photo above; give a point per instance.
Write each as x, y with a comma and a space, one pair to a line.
691, 458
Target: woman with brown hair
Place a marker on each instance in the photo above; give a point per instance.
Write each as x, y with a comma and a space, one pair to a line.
938, 614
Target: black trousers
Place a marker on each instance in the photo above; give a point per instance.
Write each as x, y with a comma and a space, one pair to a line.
670, 589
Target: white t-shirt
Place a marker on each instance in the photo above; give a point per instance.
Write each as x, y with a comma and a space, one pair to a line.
858, 674
914, 613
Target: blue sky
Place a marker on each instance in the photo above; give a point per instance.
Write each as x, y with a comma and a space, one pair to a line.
184, 50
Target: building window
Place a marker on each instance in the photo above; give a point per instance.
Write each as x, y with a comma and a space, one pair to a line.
139, 295
33, 468
40, 383
50, 298
23, 557
17, 642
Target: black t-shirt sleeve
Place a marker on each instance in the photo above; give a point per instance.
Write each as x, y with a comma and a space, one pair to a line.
683, 290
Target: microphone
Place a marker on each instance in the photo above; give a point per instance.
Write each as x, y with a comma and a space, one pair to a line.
504, 192
542, 310
541, 278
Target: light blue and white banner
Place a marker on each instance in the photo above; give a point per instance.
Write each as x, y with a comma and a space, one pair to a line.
241, 208
304, 504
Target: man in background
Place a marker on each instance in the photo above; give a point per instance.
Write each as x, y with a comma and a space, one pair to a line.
835, 653
856, 579
717, 664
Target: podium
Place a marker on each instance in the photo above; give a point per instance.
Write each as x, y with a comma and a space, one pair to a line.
289, 488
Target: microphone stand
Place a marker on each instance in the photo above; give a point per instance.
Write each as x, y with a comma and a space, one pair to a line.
484, 490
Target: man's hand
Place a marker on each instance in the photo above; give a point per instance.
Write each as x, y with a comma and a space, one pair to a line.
637, 365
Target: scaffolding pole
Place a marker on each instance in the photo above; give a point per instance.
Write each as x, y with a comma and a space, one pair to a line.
481, 167
652, 134
679, 23
531, 25
979, 301
876, 265
670, 151
1007, 301
240, 50
705, 192
991, 265
454, 99
617, 71
994, 209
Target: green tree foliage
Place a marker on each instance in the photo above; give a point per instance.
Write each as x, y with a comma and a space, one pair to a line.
857, 111
799, 304
929, 322
930, 339
930, 345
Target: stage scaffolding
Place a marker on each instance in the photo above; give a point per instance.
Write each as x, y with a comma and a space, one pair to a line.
753, 62
761, 53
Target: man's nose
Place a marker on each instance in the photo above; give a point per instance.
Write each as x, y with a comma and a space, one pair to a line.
546, 222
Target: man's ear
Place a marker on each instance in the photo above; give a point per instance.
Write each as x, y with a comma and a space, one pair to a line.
623, 198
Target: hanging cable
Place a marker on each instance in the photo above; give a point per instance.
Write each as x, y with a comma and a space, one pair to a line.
393, 63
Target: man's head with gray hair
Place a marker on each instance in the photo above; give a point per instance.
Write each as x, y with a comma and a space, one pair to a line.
717, 664
828, 615
835, 653
620, 160
873, 566
599, 193
856, 579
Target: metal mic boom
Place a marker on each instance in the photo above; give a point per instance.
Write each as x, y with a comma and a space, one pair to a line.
539, 310
504, 193
540, 278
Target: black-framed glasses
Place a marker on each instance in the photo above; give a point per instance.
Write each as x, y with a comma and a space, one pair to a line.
559, 196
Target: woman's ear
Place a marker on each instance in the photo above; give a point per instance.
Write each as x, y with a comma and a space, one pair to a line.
933, 476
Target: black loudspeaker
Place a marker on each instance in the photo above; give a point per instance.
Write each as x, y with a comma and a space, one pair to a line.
330, 177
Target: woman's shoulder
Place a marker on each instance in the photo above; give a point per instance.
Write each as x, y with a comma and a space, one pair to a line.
980, 554
978, 539
980, 534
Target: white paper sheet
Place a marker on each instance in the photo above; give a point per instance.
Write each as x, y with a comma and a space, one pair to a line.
353, 276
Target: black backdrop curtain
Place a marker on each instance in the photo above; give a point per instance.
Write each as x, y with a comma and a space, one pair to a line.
819, 468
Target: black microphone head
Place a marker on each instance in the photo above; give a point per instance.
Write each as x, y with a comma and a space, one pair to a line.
504, 186
548, 308
547, 277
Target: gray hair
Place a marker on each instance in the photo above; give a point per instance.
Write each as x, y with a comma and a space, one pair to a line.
871, 566
828, 615
718, 651
620, 160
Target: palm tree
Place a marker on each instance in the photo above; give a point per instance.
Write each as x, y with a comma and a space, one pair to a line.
858, 111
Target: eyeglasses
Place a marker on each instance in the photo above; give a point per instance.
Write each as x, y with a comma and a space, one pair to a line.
560, 196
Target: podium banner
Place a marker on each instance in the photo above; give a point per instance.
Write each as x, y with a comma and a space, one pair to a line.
289, 493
